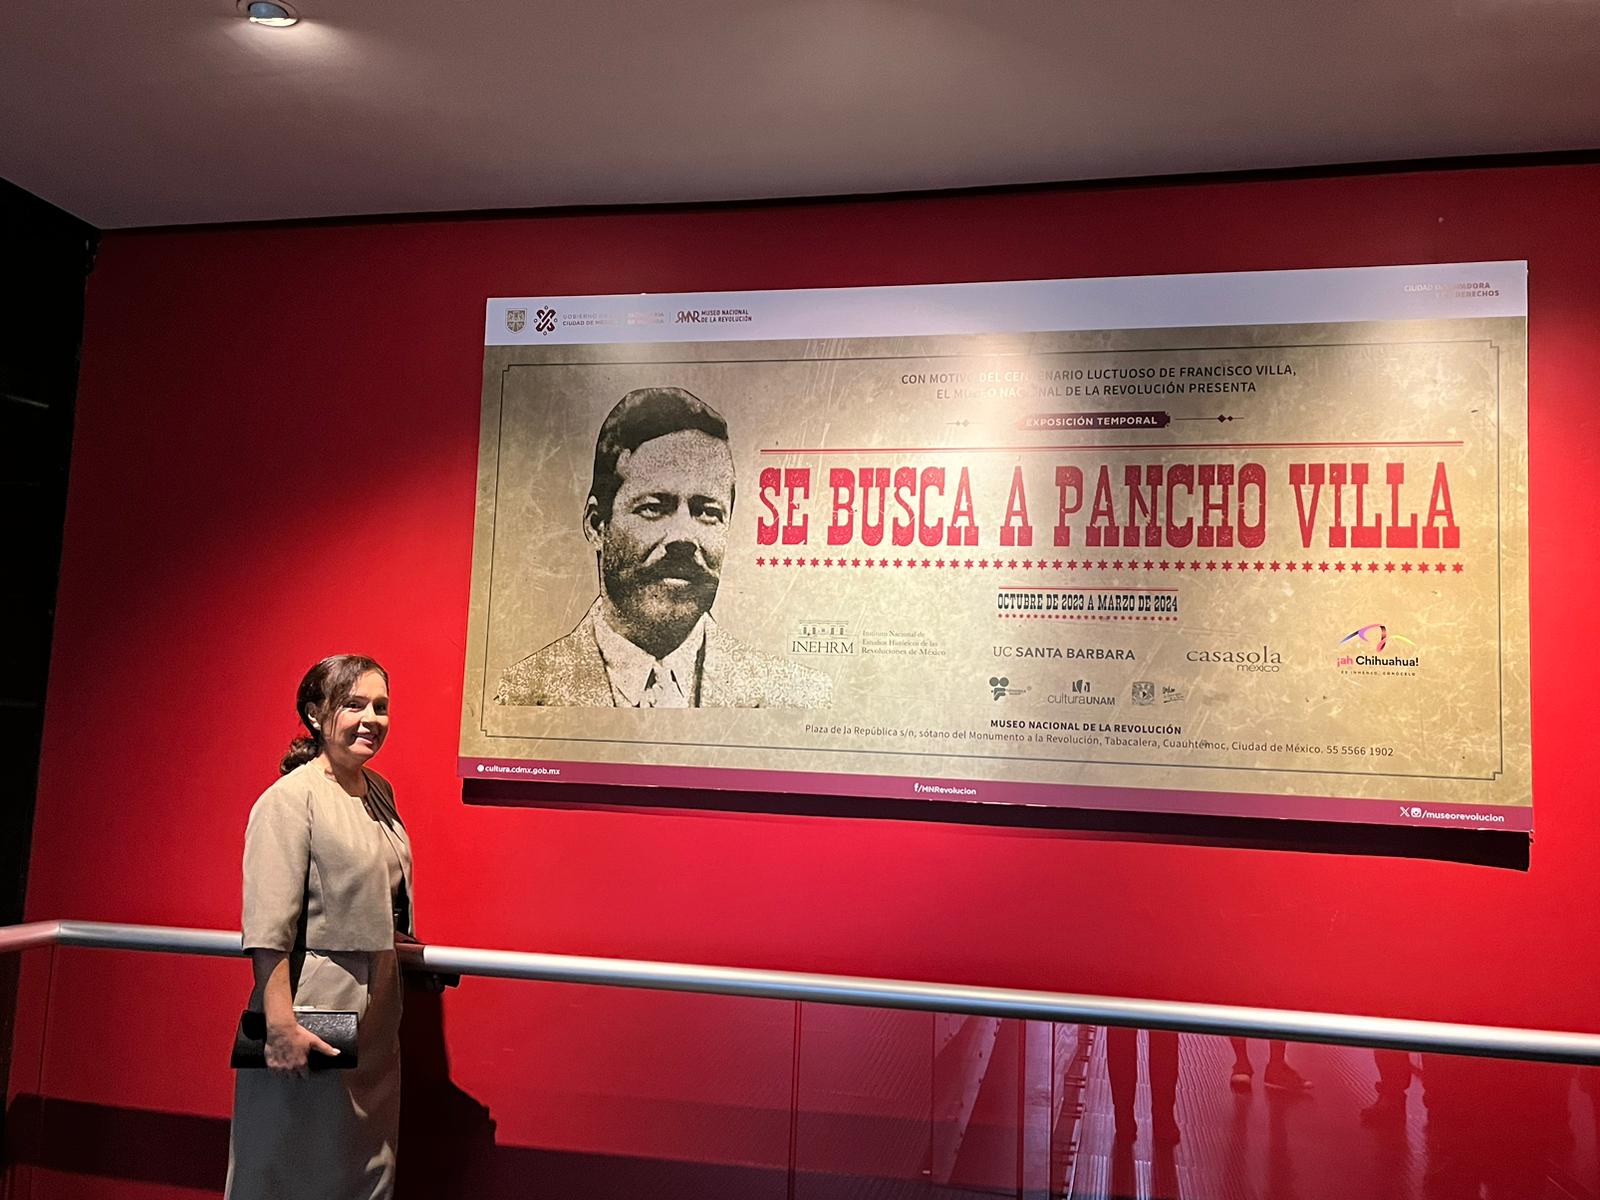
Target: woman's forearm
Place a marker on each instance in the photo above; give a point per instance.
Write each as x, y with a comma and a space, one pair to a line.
272, 978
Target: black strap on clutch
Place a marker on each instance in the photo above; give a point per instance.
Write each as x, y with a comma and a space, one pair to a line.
338, 1029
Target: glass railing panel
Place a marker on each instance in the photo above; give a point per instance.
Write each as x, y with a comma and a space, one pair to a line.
132, 1092
865, 1097
119, 1090
1212, 1117
589, 1091
635, 1092
978, 1080
25, 981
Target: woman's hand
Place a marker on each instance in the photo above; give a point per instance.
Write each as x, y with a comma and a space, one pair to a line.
288, 1047
288, 1041
424, 980
428, 981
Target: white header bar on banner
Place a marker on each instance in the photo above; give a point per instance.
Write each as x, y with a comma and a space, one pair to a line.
1424, 292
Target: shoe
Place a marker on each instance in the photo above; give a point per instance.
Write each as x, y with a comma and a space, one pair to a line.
1386, 1112
1240, 1081
1284, 1078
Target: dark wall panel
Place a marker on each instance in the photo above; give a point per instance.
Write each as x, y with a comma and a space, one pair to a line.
44, 257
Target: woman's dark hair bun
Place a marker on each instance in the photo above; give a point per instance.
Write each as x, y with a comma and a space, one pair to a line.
301, 751
325, 687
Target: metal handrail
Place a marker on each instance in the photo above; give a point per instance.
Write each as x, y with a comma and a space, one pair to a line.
1490, 1041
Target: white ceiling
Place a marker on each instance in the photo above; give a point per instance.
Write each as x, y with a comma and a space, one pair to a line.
144, 112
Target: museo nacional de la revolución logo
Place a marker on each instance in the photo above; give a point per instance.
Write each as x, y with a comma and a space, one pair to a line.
1377, 649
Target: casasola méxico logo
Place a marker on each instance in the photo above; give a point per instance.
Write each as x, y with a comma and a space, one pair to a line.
1377, 649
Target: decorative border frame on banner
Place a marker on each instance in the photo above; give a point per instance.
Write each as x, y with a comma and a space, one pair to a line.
1423, 293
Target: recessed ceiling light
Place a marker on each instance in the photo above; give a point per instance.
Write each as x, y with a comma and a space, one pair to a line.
272, 15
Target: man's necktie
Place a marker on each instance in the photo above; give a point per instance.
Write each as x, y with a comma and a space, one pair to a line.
661, 692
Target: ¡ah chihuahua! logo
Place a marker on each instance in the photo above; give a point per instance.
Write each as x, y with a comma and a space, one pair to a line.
1376, 649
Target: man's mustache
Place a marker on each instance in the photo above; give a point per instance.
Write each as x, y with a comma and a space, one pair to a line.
677, 565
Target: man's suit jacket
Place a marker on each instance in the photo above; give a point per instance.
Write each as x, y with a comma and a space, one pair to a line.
570, 672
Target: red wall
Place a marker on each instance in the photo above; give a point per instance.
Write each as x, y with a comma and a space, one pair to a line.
275, 458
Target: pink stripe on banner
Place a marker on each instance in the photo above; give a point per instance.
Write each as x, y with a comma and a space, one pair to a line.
894, 787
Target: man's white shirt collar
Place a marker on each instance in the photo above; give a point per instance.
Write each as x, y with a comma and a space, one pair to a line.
628, 668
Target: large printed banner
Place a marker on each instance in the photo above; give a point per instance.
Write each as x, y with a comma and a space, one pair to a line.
1248, 544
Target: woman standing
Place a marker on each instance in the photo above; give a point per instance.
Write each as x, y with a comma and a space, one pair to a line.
327, 887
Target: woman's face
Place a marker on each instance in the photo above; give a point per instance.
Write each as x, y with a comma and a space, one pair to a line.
359, 724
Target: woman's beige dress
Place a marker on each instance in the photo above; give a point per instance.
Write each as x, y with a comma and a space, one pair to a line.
324, 875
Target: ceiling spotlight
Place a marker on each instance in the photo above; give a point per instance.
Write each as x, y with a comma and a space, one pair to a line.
265, 12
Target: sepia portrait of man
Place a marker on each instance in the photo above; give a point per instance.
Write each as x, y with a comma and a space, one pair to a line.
657, 518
